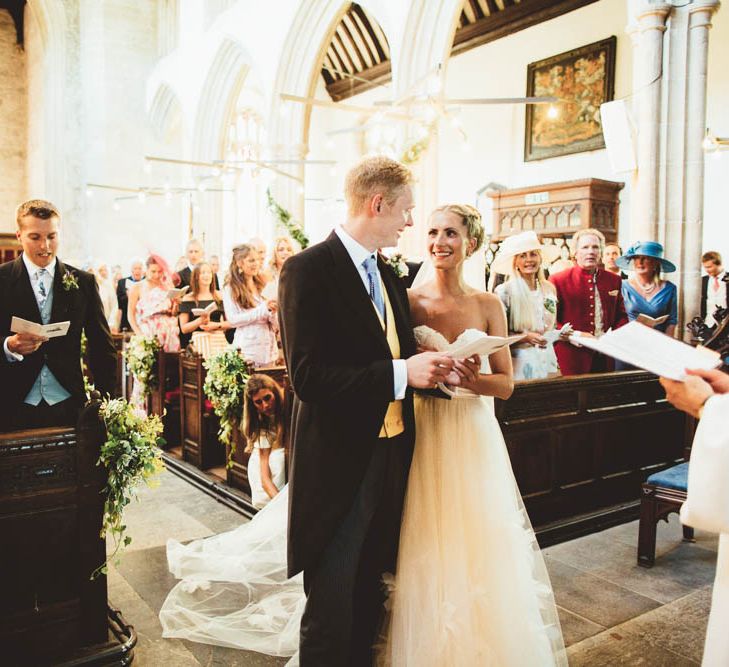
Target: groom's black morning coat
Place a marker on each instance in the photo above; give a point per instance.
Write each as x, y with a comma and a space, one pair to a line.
340, 367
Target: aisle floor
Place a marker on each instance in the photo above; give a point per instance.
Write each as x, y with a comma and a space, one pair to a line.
612, 611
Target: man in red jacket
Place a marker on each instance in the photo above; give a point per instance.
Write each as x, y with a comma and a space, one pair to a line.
589, 299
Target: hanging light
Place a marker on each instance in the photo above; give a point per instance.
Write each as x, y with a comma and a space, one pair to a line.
142, 196
552, 112
709, 144
89, 193
116, 206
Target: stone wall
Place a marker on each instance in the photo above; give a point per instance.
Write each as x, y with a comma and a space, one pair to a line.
13, 116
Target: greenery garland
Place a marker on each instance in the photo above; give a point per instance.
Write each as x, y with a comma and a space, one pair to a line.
140, 354
131, 454
295, 230
227, 374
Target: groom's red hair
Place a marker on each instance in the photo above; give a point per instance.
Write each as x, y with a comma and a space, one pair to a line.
375, 175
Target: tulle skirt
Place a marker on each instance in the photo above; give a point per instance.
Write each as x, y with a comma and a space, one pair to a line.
471, 585
234, 590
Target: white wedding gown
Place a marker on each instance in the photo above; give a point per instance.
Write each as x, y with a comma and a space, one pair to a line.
471, 587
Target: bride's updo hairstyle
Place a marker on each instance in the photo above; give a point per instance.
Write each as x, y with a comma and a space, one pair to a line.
375, 175
470, 217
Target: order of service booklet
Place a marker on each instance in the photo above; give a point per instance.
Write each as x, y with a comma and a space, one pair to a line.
52, 330
651, 350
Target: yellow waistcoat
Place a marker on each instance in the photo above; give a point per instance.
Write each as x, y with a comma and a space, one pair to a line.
393, 424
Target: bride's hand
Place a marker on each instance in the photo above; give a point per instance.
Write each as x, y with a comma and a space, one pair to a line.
468, 371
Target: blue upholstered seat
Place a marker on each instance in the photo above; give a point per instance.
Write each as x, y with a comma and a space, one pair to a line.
672, 478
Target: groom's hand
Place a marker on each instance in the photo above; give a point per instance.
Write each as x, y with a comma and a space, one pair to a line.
427, 369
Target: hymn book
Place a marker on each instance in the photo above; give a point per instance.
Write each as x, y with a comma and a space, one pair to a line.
651, 350
177, 293
52, 330
210, 308
651, 321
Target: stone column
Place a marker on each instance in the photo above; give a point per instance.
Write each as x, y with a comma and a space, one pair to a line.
700, 14
651, 24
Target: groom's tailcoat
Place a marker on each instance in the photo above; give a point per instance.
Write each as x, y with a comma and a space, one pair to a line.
340, 367
82, 307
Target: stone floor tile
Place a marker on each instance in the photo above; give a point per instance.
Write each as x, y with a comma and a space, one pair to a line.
593, 598
219, 656
614, 647
668, 535
147, 573
575, 628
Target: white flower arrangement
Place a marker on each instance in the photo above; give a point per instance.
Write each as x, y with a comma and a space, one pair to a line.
399, 265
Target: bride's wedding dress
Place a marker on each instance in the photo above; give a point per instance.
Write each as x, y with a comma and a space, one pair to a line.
471, 586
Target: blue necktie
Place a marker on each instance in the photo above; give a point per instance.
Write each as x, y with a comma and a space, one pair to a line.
41, 286
373, 280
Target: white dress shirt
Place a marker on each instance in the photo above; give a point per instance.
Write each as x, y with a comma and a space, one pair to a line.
358, 254
32, 270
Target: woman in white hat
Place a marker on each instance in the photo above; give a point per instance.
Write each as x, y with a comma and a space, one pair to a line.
530, 301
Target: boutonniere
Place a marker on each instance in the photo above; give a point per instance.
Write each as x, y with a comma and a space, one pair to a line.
550, 304
397, 262
613, 292
70, 282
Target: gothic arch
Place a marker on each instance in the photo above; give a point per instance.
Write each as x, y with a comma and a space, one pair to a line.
223, 83
165, 112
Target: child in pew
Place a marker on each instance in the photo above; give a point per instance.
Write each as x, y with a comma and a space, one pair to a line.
264, 430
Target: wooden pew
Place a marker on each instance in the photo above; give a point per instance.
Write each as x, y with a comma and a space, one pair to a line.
582, 446
50, 517
238, 472
198, 423
164, 399
120, 340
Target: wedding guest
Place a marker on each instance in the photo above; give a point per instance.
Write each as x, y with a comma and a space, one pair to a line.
42, 379
215, 266
264, 429
713, 287
530, 301
645, 292
202, 293
590, 300
609, 255
150, 311
108, 295
283, 248
194, 254
260, 247
252, 316
116, 274
123, 286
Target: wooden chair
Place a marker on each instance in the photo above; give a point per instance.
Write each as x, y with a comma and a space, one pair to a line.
198, 423
663, 493
51, 510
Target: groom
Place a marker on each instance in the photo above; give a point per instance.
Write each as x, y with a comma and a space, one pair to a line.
350, 353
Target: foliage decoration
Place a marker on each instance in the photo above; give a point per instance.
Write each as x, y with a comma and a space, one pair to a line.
69, 281
285, 219
140, 354
413, 150
131, 454
227, 374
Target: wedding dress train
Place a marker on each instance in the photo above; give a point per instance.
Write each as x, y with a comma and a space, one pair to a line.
471, 586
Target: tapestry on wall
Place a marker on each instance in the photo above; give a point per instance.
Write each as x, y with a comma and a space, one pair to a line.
582, 79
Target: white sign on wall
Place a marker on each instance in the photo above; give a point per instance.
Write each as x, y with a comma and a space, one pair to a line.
536, 198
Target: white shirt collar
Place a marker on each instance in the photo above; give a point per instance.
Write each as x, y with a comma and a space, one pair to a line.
32, 268
356, 250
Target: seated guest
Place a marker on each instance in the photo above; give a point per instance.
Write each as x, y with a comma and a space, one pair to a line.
264, 429
713, 287
609, 255
530, 301
590, 300
41, 378
645, 292
151, 312
252, 316
123, 286
202, 293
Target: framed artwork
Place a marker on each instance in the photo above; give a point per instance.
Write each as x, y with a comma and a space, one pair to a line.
584, 78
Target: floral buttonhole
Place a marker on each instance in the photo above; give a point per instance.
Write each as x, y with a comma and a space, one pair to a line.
70, 282
398, 264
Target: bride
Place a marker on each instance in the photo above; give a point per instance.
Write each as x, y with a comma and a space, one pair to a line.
471, 585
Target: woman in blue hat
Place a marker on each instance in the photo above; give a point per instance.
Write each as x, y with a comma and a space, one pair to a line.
644, 292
